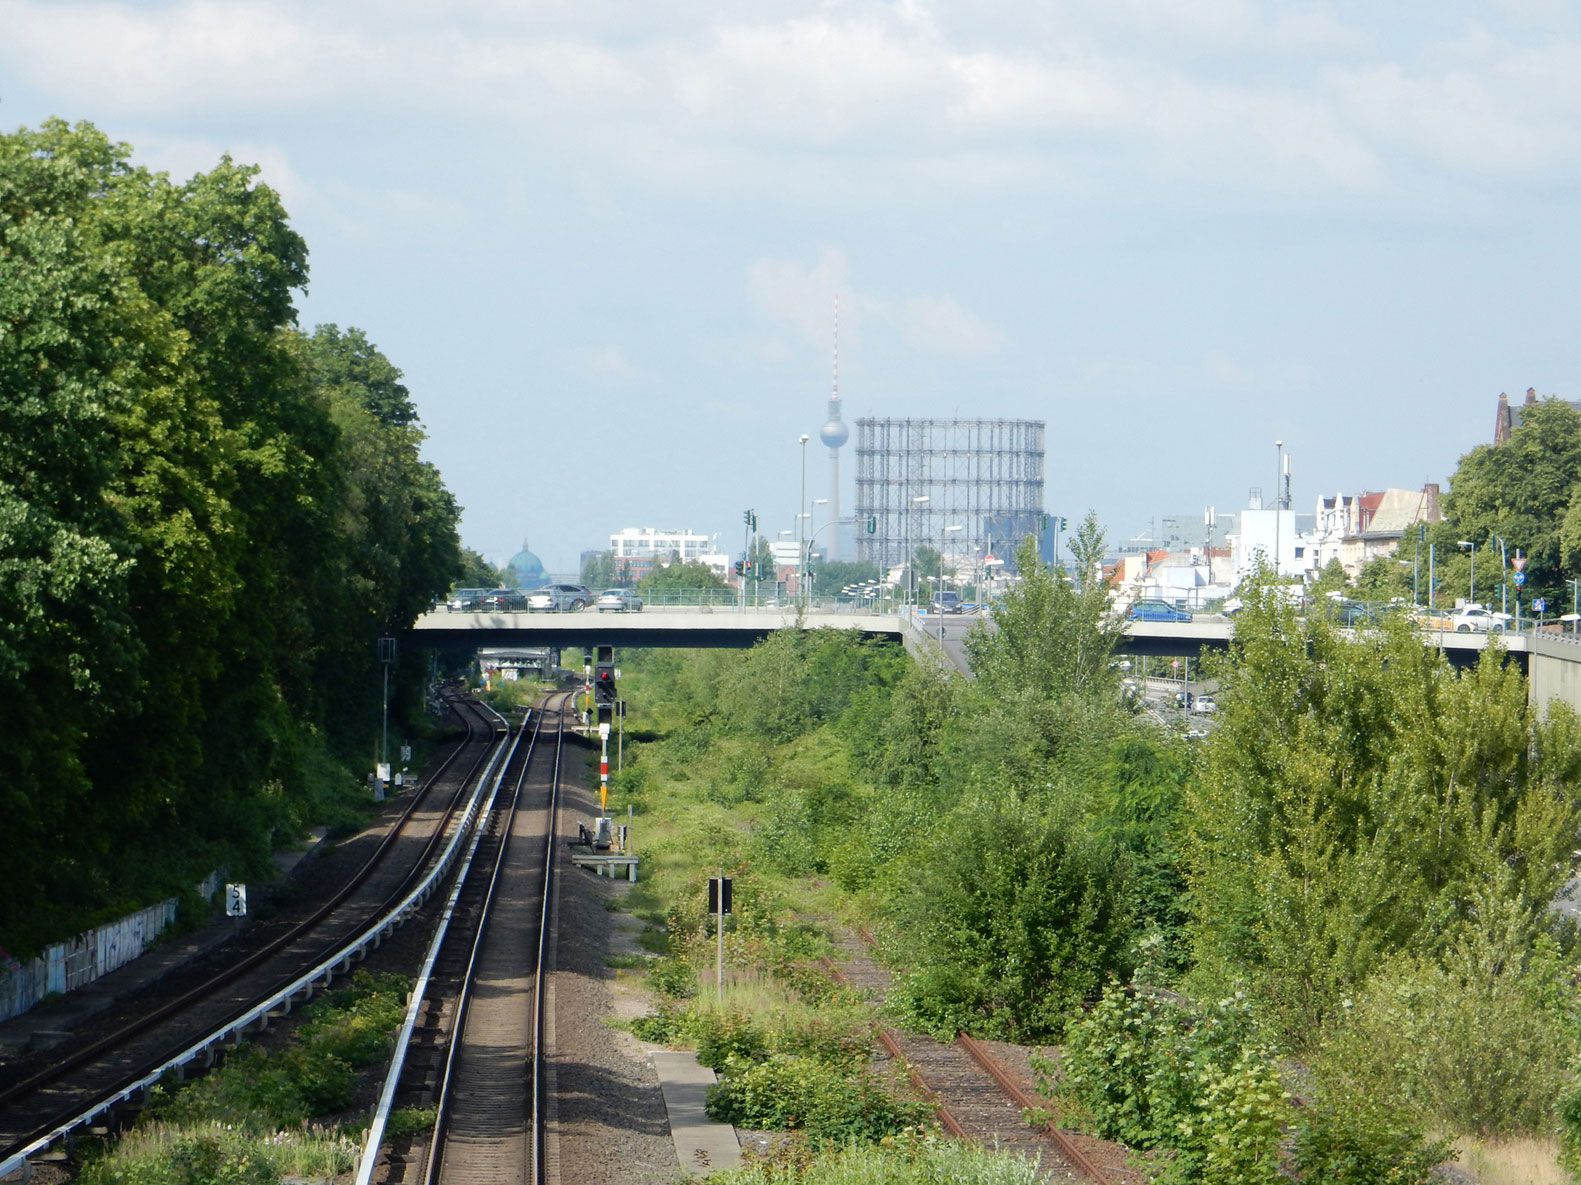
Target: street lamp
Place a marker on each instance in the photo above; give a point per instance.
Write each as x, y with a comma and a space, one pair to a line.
1279, 462
1473, 546
1504, 567
801, 553
911, 567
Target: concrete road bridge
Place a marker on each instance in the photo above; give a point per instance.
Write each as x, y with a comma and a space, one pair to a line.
1552, 661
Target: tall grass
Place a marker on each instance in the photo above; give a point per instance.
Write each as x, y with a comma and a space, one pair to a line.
924, 1160
190, 1153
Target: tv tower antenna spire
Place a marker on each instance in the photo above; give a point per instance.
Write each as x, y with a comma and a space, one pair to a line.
834, 433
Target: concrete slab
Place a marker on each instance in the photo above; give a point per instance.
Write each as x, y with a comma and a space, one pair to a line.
701, 1144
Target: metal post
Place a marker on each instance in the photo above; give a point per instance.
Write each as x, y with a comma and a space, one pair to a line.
1279, 456
1431, 579
719, 931
801, 528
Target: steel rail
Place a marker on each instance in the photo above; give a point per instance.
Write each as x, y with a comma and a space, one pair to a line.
88, 1053
369, 1158
280, 1001
446, 1099
540, 1091
1027, 1103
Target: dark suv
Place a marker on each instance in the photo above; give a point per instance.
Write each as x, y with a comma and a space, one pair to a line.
946, 602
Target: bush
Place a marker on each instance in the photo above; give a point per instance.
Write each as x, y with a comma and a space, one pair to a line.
723, 1036
1197, 1086
672, 978
1016, 913
1361, 1140
797, 1093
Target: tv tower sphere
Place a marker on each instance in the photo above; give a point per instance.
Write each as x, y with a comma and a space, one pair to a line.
834, 433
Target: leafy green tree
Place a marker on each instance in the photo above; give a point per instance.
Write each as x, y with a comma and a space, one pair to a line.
475, 571
1354, 800
1331, 579
830, 576
598, 569
679, 574
1521, 491
1052, 631
1012, 914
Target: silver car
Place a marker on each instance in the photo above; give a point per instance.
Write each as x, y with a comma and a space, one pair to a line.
618, 600
560, 598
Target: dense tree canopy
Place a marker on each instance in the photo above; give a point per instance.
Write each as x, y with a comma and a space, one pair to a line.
206, 520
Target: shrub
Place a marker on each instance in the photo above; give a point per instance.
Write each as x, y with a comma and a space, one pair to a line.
672, 978
1195, 1085
788, 1092
722, 1036
1361, 1140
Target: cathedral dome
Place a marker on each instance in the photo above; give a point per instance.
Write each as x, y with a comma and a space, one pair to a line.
525, 570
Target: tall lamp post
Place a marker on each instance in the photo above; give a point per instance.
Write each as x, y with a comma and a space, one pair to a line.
1504, 567
911, 567
1279, 464
801, 527
386, 657
1473, 546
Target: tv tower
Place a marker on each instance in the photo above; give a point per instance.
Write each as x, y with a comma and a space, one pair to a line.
834, 433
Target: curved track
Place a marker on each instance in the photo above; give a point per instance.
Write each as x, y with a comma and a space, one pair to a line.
51, 1101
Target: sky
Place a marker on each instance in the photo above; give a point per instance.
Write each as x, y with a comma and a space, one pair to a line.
603, 238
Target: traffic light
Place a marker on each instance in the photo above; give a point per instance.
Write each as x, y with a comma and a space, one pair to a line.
872, 524
741, 567
1062, 522
604, 681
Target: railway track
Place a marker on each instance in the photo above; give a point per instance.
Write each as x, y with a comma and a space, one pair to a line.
99, 1081
977, 1098
475, 1046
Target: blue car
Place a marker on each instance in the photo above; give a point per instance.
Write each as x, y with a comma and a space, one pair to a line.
1157, 611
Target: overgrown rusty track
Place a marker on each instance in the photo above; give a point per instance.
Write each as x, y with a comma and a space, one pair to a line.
185, 1006
477, 1054
974, 1097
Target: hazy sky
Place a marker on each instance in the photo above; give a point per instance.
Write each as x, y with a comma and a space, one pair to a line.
602, 238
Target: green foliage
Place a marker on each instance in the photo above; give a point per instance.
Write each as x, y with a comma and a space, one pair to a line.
1053, 634
1015, 911
1364, 1138
475, 571
1478, 1038
680, 574
263, 1090
722, 1036
907, 1159
1355, 800
1198, 1086
672, 978
830, 576
1523, 491
792, 1092
598, 570
206, 518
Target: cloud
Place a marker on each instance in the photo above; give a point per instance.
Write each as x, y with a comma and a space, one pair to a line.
801, 298
938, 323
1231, 95
608, 364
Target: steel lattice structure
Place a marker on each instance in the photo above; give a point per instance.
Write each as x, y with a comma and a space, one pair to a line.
985, 476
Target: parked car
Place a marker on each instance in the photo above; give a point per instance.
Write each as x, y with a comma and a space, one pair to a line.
560, 598
1205, 704
946, 602
463, 599
503, 600
618, 600
1149, 610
